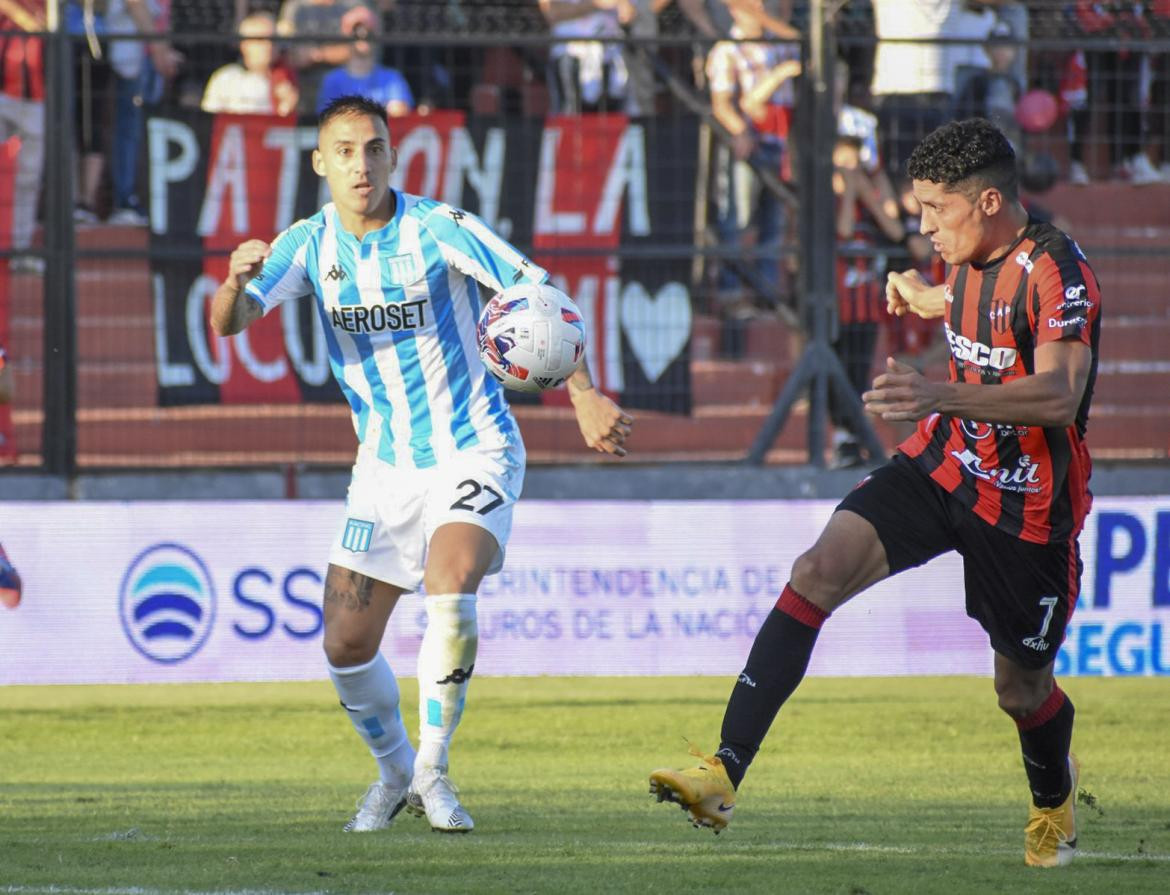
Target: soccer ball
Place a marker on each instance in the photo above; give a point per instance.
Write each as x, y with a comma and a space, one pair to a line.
531, 337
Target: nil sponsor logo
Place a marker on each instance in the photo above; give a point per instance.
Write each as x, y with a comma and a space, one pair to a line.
1024, 261
1037, 643
1024, 478
948, 295
167, 603
978, 355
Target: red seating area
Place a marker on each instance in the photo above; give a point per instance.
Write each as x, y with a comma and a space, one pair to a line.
121, 426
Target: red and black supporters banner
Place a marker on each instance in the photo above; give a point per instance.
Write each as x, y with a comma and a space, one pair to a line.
603, 203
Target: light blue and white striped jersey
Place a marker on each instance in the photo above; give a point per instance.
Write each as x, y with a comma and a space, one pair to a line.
399, 309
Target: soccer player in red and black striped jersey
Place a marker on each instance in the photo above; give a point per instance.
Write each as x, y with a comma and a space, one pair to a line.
997, 471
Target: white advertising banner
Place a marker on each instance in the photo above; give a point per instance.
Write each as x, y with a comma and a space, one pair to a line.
229, 591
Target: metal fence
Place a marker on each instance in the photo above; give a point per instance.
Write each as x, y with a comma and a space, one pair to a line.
714, 272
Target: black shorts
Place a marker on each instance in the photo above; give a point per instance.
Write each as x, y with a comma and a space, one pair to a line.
1022, 593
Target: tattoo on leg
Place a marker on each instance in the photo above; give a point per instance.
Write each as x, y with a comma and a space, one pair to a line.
350, 590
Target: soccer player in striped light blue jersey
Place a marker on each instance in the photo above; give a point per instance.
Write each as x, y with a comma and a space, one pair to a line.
440, 463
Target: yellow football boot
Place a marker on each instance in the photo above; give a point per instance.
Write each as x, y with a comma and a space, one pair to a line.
705, 792
1050, 839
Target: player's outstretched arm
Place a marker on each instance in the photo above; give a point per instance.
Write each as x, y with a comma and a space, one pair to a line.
604, 426
1049, 396
232, 310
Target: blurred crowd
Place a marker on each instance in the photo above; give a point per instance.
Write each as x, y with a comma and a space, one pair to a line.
912, 63
904, 67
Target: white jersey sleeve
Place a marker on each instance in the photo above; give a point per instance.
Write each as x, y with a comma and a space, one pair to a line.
473, 248
284, 275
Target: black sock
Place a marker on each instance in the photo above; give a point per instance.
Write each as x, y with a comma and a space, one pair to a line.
1045, 736
775, 667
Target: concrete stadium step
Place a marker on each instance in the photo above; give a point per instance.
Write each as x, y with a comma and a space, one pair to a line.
1117, 208
323, 433
243, 435
1133, 384
109, 383
746, 382
104, 236
1129, 433
1144, 337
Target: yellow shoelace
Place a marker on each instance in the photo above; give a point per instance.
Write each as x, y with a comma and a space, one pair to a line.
1044, 827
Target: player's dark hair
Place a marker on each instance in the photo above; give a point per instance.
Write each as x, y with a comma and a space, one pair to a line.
350, 104
967, 157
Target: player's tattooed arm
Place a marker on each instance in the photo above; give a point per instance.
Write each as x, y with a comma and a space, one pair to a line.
232, 310
604, 426
347, 589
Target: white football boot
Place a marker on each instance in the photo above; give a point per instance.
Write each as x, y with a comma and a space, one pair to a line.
377, 808
433, 795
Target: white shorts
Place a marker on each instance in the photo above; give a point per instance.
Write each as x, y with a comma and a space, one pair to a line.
391, 513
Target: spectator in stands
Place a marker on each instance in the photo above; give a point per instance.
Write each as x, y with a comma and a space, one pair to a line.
586, 68
136, 71
1159, 133
362, 75
1113, 78
910, 338
992, 91
140, 69
867, 216
22, 114
258, 86
752, 96
311, 61
914, 75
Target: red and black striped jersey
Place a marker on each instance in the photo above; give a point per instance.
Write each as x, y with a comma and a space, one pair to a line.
1029, 481
22, 67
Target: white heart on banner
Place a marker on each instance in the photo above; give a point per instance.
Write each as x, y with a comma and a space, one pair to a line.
657, 327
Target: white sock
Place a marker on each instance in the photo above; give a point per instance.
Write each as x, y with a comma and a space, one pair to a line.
445, 663
369, 694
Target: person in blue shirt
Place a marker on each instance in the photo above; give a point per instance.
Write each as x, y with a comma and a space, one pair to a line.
397, 280
362, 75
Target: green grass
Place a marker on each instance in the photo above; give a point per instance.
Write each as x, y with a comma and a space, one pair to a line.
865, 786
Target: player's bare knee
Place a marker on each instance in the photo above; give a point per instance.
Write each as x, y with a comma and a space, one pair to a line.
1020, 698
347, 648
815, 576
456, 575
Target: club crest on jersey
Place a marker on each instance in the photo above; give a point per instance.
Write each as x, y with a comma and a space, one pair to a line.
1000, 314
357, 535
1024, 478
400, 269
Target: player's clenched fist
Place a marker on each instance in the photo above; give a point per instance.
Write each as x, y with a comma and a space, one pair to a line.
246, 261
909, 292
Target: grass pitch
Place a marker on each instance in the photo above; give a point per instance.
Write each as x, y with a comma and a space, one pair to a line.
864, 786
